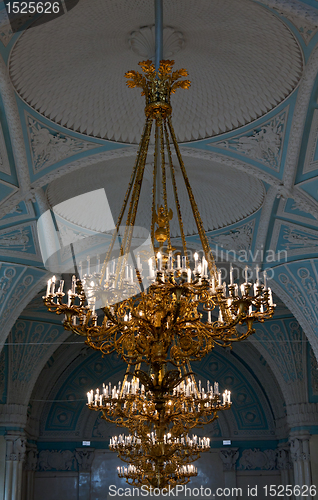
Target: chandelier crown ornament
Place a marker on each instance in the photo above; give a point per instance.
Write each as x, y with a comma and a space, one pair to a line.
158, 86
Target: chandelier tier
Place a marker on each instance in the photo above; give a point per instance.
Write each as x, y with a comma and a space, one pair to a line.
167, 406
153, 311
132, 448
170, 474
153, 451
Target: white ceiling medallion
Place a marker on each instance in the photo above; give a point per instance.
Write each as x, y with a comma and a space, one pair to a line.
142, 42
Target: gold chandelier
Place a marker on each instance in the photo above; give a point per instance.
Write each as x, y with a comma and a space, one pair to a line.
159, 308
152, 311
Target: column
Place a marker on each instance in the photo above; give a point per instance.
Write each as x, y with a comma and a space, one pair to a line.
285, 466
29, 471
299, 447
229, 458
15, 454
84, 457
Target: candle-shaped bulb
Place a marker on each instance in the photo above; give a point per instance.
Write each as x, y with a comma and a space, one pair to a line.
245, 273
189, 275
219, 278
159, 261
231, 275
48, 288
257, 275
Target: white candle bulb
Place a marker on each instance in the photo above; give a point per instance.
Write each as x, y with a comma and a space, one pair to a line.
48, 288
53, 285
257, 275
245, 273
159, 261
231, 275
189, 275
183, 262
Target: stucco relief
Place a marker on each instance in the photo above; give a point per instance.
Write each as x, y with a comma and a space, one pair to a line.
292, 288
303, 17
262, 144
257, 459
313, 372
56, 460
239, 238
48, 146
284, 342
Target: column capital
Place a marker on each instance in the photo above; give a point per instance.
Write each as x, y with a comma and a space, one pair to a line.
84, 457
16, 446
31, 459
283, 457
229, 458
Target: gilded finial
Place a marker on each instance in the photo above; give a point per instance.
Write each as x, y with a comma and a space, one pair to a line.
158, 86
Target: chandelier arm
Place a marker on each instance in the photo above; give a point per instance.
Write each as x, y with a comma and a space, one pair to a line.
174, 185
133, 206
197, 217
124, 206
196, 214
164, 185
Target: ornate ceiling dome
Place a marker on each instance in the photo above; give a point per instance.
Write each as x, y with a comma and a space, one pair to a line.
224, 195
242, 61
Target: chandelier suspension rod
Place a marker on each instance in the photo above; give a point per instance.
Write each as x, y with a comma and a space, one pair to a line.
158, 58
158, 32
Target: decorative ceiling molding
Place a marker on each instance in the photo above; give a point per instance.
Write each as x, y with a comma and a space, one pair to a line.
299, 119
310, 163
7, 191
236, 239
6, 32
85, 162
19, 213
4, 160
223, 159
16, 137
282, 343
265, 219
296, 284
31, 343
21, 241
142, 42
18, 285
296, 240
303, 17
49, 146
259, 363
290, 209
297, 310
304, 202
263, 143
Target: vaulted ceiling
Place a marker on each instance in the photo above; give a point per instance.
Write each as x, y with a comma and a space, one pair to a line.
248, 130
